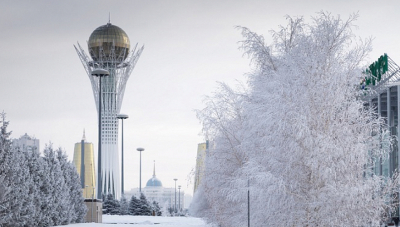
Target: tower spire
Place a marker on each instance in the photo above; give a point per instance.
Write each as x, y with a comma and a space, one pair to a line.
154, 168
84, 137
109, 17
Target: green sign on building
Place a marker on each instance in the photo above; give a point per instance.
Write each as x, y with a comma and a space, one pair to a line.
375, 71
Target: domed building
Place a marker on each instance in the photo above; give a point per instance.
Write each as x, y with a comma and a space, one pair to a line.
109, 49
154, 181
154, 191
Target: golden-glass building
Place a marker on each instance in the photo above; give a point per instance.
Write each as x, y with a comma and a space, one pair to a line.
200, 159
89, 179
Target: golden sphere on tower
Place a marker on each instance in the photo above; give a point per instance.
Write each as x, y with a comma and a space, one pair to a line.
104, 37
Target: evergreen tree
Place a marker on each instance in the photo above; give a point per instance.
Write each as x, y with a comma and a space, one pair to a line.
76, 194
4, 191
17, 178
57, 197
144, 206
68, 212
124, 206
5, 172
134, 206
23, 181
37, 191
45, 191
76, 209
35, 166
156, 208
110, 205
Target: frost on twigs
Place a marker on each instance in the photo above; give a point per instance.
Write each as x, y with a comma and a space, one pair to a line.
299, 138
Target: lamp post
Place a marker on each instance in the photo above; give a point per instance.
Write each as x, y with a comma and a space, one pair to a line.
122, 117
175, 194
99, 73
140, 169
179, 201
248, 203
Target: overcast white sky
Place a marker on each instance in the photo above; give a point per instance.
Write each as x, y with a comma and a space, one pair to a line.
189, 45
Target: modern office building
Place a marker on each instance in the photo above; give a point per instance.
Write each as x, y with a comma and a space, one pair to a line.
383, 78
200, 159
154, 191
26, 143
86, 169
109, 48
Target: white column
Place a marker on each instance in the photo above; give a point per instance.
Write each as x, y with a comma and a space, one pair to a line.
398, 125
389, 123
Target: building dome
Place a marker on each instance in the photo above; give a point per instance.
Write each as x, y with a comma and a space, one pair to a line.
104, 36
154, 182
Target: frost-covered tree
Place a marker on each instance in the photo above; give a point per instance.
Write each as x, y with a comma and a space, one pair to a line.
111, 205
15, 174
46, 191
134, 206
22, 184
6, 154
199, 206
37, 191
299, 138
57, 196
156, 208
144, 206
4, 191
76, 209
68, 210
76, 195
35, 167
223, 123
124, 206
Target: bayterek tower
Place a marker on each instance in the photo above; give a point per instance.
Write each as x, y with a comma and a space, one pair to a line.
109, 48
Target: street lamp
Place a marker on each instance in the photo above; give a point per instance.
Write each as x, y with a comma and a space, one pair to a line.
122, 117
248, 202
175, 194
179, 201
140, 169
99, 73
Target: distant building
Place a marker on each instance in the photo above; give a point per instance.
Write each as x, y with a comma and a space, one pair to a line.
26, 143
154, 191
200, 159
383, 78
87, 173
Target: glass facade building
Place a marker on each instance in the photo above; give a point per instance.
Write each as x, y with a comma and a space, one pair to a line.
87, 173
385, 101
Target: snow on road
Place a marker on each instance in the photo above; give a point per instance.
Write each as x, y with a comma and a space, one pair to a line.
145, 221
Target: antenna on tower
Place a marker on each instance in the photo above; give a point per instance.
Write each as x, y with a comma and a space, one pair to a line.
109, 17
84, 137
154, 168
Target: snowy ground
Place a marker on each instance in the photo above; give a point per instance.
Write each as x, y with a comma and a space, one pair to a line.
145, 221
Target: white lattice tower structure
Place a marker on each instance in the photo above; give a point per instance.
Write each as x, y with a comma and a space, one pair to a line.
109, 49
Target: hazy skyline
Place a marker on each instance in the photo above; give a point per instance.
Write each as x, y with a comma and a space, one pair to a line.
189, 45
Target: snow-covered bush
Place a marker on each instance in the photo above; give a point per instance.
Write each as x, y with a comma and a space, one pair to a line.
298, 137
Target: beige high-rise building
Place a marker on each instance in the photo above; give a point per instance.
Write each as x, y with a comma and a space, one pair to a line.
89, 180
200, 159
